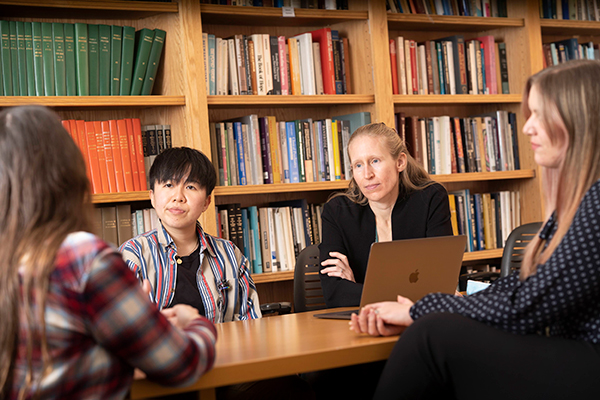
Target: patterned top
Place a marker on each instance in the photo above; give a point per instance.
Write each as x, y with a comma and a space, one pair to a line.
224, 283
563, 295
100, 325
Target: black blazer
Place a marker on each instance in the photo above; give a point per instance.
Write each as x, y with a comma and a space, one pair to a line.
350, 229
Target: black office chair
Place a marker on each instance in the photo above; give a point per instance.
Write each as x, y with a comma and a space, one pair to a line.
308, 295
514, 249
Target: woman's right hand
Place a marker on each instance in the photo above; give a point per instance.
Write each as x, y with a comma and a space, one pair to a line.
338, 267
180, 315
383, 319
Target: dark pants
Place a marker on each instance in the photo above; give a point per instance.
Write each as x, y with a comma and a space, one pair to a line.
447, 356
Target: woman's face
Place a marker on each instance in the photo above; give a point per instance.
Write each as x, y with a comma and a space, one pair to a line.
374, 169
547, 153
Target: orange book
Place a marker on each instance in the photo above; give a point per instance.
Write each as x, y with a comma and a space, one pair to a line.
90, 134
101, 156
73, 131
82, 142
294, 66
132, 154
108, 155
116, 147
125, 157
139, 152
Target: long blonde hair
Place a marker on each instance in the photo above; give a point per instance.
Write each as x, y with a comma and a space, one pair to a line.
570, 94
43, 193
414, 177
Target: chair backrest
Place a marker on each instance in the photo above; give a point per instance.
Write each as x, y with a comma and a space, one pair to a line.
514, 249
308, 295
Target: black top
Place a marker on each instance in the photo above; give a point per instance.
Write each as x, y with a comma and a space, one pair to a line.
563, 295
350, 229
186, 287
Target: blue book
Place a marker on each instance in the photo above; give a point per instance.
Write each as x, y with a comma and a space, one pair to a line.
239, 144
212, 66
440, 58
290, 130
463, 206
321, 152
565, 9
246, 236
255, 240
356, 119
571, 47
478, 206
431, 145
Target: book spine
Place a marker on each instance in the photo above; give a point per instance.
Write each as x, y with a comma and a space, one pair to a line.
394, 66
265, 150
153, 61
257, 267
274, 149
292, 152
283, 72
108, 156
70, 67
133, 154
241, 64
116, 151
212, 64
104, 57
252, 63
93, 59
247, 70
239, 142
93, 165
337, 62
323, 36
116, 45
82, 60
101, 156
58, 42
275, 67
128, 43
28, 59
21, 58
300, 150
5, 56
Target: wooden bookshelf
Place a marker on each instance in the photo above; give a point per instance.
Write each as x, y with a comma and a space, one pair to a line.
94, 101
401, 99
290, 100
569, 27
449, 23
120, 197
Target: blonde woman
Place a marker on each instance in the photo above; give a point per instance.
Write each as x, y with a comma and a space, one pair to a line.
534, 334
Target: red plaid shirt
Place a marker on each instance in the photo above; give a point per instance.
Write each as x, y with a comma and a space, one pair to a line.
100, 325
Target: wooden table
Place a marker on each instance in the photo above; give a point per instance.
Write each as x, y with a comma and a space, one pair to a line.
278, 346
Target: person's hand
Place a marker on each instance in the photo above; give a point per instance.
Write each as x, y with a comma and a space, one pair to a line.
338, 267
180, 315
383, 319
146, 287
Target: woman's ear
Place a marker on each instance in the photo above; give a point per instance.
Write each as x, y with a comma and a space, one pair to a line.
401, 162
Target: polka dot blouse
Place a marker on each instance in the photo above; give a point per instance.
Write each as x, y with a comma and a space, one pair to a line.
563, 295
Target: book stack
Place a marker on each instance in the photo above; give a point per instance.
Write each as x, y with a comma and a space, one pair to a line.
449, 66
449, 145
256, 150
118, 224
155, 140
569, 49
485, 218
65, 59
311, 63
471, 8
113, 152
580, 10
271, 237
320, 4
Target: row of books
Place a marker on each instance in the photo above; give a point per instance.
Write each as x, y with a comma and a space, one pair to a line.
114, 224
485, 218
569, 49
65, 59
320, 4
445, 145
311, 63
581, 10
271, 237
465, 8
256, 150
449, 66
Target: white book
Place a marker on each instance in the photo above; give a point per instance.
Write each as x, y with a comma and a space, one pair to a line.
299, 226
282, 253
473, 67
419, 69
450, 62
502, 142
509, 141
276, 264
232, 62
285, 161
307, 64
439, 7
488, 138
445, 144
437, 146
224, 223
400, 63
218, 66
423, 139
423, 70
259, 62
289, 237
409, 87
266, 48
318, 72
327, 123
330, 5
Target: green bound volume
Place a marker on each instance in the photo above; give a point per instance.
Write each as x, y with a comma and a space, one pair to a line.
157, 47
81, 59
104, 59
127, 60
70, 69
14, 58
38, 63
58, 41
144, 40
48, 59
94, 62
22, 58
7, 87
116, 33
29, 59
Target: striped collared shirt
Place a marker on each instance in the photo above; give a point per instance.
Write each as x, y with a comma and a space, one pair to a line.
224, 283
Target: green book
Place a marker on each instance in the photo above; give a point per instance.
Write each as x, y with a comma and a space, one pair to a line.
38, 62
14, 58
127, 60
104, 60
7, 86
93, 59
299, 150
144, 39
70, 68
29, 59
48, 59
157, 47
116, 33
22, 58
58, 41
81, 59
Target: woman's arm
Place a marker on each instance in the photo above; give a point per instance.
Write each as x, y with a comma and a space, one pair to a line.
439, 221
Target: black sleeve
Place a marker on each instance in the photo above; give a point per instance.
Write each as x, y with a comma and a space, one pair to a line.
438, 220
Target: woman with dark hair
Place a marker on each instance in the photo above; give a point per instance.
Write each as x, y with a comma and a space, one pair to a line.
75, 321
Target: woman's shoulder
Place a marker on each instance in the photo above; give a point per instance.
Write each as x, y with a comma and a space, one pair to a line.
434, 190
341, 205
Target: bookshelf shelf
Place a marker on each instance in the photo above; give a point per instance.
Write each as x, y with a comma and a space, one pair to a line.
482, 255
273, 16
267, 277
120, 197
457, 99
94, 101
569, 27
448, 23
485, 176
289, 101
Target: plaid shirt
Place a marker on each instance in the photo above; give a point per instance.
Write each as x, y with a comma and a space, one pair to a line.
224, 283
100, 325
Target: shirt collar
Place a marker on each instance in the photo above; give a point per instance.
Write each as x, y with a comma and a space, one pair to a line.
166, 240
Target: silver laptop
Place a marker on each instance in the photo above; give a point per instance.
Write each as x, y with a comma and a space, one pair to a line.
411, 268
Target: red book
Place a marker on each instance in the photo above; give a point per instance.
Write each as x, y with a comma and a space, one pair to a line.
82, 142
125, 155
73, 131
66, 123
93, 165
139, 152
132, 154
101, 156
489, 60
116, 147
323, 37
413, 66
108, 155
394, 64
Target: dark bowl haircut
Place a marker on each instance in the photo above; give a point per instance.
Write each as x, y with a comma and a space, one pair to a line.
180, 163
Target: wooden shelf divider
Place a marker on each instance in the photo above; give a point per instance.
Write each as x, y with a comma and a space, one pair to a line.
94, 101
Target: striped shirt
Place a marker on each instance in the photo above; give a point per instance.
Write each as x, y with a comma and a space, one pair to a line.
223, 281
100, 325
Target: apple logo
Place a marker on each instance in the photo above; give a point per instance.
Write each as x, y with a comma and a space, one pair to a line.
414, 277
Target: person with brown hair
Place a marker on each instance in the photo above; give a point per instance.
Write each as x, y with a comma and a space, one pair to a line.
75, 321
535, 333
